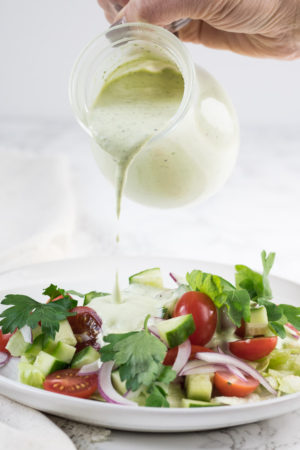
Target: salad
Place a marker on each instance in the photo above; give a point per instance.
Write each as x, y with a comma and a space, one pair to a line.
203, 343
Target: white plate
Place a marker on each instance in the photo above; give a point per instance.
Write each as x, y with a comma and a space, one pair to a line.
98, 273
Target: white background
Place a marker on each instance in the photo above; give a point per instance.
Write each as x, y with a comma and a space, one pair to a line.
40, 39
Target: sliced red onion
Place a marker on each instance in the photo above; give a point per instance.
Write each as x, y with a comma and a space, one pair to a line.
90, 369
106, 388
27, 334
205, 368
233, 369
4, 358
152, 326
292, 330
173, 277
183, 354
217, 358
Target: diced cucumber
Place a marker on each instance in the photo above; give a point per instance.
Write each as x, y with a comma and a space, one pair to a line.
118, 384
258, 324
29, 359
47, 363
149, 277
175, 331
36, 332
34, 349
16, 344
175, 395
198, 387
65, 334
64, 352
31, 375
86, 356
49, 345
188, 403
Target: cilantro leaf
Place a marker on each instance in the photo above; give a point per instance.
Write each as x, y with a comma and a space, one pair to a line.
139, 356
87, 297
157, 398
166, 375
27, 311
292, 314
222, 293
238, 303
255, 283
53, 291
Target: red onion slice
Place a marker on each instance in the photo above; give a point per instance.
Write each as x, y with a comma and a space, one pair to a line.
183, 354
205, 368
4, 358
27, 334
91, 368
232, 369
173, 277
106, 388
292, 330
217, 358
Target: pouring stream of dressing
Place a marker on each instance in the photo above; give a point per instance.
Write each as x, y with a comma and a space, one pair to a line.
137, 101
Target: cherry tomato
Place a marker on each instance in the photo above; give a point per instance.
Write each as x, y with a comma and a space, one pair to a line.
86, 326
204, 313
172, 353
232, 386
67, 382
4, 338
253, 349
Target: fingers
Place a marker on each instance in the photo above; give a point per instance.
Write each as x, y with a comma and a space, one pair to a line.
244, 44
112, 8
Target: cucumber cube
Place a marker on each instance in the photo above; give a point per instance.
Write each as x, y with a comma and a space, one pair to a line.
31, 375
47, 363
16, 344
198, 387
188, 403
175, 331
86, 356
64, 352
149, 277
65, 334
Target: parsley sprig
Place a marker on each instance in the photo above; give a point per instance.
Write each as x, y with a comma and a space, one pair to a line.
25, 310
139, 356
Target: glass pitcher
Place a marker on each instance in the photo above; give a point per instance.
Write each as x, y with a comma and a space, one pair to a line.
193, 155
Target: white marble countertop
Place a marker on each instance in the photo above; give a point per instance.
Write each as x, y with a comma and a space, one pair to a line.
55, 204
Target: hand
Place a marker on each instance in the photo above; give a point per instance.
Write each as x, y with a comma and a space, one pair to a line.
261, 28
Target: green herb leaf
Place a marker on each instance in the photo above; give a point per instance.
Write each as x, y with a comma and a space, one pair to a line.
278, 329
53, 291
87, 297
27, 311
222, 293
157, 398
292, 314
255, 283
139, 356
238, 303
166, 375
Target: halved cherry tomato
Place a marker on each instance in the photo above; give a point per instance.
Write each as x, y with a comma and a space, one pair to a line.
253, 349
232, 386
172, 353
204, 313
4, 338
67, 382
86, 326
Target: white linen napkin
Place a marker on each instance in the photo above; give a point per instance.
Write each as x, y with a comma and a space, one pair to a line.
27, 429
36, 208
